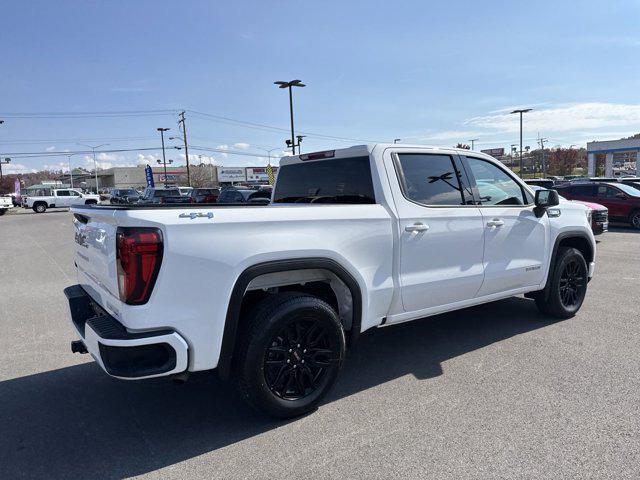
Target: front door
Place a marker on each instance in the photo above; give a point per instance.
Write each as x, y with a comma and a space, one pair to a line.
440, 230
515, 239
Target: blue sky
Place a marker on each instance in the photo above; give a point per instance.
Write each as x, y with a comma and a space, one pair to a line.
434, 72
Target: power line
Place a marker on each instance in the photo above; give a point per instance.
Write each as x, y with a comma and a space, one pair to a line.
97, 114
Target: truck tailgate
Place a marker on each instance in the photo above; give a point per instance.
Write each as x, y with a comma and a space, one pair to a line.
95, 255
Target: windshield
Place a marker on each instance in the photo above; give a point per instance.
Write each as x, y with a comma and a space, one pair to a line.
629, 190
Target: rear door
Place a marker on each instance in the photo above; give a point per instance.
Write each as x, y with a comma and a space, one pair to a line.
440, 229
515, 239
63, 198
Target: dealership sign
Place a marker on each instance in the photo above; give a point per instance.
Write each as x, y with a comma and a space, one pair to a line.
231, 175
259, 174
494, 152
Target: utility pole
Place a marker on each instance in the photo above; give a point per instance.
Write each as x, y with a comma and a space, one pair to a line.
69, 155
396, 140
521, 111
186, 147
95, 163
164, 158
544, 162
290, 85
473, 141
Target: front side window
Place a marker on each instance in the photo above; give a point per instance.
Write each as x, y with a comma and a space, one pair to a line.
63, 193
495, 186
431, 180
336, 181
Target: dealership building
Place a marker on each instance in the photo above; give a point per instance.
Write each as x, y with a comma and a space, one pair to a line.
203, 175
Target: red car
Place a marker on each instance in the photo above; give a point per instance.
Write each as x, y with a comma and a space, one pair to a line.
623, 201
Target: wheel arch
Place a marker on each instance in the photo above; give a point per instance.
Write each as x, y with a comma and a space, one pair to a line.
233, 317
576, 239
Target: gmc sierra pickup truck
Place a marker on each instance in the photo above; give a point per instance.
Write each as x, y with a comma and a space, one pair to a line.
353, 239
61, 197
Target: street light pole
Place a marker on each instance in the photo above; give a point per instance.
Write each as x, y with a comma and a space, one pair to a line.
521, 111
473, 141
95, 162
164, 158
6, 161
290, 85
396, 140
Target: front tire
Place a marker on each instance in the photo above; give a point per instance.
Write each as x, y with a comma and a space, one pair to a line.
40, 207
567, 285
292, 349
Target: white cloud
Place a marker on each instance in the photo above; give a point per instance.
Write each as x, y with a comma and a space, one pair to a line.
60, 166
241, 145
564, 118
146, 159
223, 147
17, 168
50, 149
457, 135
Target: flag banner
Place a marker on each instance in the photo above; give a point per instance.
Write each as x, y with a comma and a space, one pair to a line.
272, 179
149, 174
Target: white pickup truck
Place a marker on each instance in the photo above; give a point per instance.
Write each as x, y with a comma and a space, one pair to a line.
358, 238
6, 203
61, 197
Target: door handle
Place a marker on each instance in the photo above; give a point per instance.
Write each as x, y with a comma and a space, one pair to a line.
496, 222
416, 227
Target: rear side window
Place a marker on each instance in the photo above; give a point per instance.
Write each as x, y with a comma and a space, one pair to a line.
341, 180
430, 179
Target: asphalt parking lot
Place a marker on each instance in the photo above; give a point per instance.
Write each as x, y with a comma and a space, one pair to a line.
497, 391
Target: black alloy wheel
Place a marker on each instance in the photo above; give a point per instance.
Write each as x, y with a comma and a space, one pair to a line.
291, 351
298, 358
573, 279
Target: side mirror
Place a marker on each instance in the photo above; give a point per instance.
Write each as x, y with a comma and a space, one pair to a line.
546, 198
620, 195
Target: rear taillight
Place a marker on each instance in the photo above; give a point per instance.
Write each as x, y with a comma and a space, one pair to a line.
139, 255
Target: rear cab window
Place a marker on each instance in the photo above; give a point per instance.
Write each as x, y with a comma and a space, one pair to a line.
333, 181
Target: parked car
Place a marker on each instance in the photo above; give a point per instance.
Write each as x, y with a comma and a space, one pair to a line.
204, 195
623, 201
61, 197
124, 196
185, 191
6, 202
541, 182
160, 195
358, 238
244, 195
598, 215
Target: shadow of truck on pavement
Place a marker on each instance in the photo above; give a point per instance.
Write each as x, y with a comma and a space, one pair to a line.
76, 422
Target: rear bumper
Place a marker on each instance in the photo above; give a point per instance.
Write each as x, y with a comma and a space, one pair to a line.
121, 353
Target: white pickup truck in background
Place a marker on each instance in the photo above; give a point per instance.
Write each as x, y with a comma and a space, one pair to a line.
353, 239
62, 197
6, 203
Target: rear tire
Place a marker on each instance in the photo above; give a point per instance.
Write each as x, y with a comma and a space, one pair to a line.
3, 211
634, 219
40, 207
567, 285
292, 349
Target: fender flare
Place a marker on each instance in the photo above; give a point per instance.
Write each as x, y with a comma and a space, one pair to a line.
552, 262
232, 320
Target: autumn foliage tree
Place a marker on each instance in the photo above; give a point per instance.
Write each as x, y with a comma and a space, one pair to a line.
561, 161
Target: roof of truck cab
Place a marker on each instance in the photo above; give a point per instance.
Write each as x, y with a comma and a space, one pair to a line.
360, 150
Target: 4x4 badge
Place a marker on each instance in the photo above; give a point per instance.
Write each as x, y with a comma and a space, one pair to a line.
193, 215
